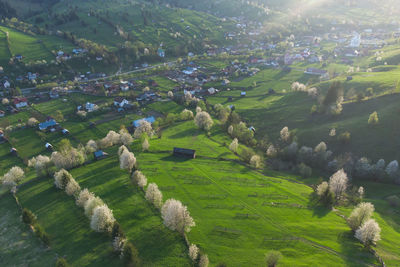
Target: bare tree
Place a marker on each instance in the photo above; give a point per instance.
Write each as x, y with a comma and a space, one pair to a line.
154, 195
176, 216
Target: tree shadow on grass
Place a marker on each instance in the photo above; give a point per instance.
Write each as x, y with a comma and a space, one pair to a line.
317, 207
175, 159
183, 134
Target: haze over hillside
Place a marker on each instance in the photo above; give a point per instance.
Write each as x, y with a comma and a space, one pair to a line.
199, 133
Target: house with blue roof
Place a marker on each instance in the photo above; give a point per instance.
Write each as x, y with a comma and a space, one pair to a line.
48, 124
136, 123
98, 155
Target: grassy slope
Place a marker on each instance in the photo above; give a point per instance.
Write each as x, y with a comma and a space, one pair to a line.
69, 229
293, 110
4, 52
217, 194
18, 246
157, 246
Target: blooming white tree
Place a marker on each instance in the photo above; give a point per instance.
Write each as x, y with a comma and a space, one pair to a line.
193, 252
186, 115
83, 197
360, 215
230, 130
112, 138
338, 183
41, 164
203, 121
68, 157
234, 145
5, 101
145, 145
139, 178
12, 177
143, 128
125, 137
320, 148
62, 178
72, 188
285, 134
322, 188
91, 146
204, 262
127, 160
102, 219
170, 94
369, 232
32, 122
91, 204
360, 192
176, 216
154, 195
392, 169
255, 161
332, 132
272, 151
119, 244
121, 149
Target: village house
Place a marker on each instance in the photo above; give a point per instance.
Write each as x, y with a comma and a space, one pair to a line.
212, 91
6, 84
120, 102
47, 125
2, 113
90, 107
54, 94
136, 123
20, 102
98, 155
124, 86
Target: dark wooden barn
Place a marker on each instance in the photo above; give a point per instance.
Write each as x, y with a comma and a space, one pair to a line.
183, 152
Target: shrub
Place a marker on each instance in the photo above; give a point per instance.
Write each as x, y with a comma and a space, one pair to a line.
176, 216
272, 258
369, 233
344, 138
373, 119
131, 255
61, 262
28, 217
304, 170
42, 234
154, 195
360, 215
326, 196
102, 219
